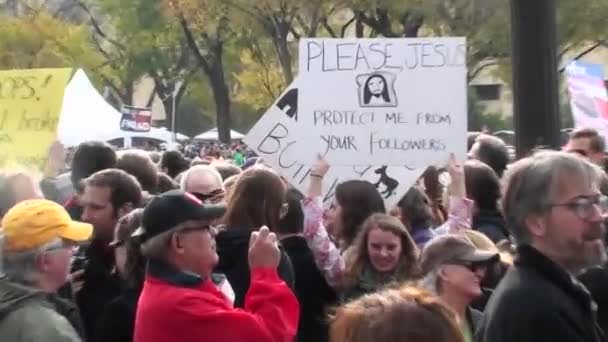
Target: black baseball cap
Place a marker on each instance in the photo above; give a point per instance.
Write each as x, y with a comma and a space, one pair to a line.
172, 208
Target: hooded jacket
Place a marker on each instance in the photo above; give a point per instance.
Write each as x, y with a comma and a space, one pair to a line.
27, 314
233, 250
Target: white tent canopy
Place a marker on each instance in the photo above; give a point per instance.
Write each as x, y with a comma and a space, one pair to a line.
212, 135
86, 116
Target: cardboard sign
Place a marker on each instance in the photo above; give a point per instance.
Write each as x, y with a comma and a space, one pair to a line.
382, 101
30, 103
273, 139
135, 119
588, 96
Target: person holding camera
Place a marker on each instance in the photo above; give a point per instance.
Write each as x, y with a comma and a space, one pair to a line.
180, 300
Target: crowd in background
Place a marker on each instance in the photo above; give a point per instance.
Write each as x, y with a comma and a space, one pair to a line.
209, 243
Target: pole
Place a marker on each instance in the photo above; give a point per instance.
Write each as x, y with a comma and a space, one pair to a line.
535, 82
173, 119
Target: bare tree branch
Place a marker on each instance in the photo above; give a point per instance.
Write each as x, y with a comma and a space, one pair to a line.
345, 26
583, 53
480, 67
97, 27
193, 45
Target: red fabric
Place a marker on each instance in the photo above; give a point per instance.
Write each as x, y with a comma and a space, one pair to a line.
166, 313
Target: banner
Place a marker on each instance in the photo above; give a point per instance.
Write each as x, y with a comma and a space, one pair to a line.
588, 96
30, 103
273, 138
136, 119
382, 101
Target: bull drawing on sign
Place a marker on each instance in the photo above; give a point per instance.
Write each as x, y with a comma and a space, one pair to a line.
289, 103
390, 183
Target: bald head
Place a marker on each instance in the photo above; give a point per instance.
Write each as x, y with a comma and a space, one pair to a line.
202, 179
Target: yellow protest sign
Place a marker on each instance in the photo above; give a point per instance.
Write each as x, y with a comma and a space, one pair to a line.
30, 104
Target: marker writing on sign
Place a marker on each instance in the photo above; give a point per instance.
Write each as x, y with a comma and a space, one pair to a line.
33, 122
327, 56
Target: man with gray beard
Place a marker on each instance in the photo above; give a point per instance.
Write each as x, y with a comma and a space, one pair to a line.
554, 210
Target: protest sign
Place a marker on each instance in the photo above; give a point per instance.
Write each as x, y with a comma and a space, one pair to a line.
135, 119
30, 103
273, 139
588, 96
382, 101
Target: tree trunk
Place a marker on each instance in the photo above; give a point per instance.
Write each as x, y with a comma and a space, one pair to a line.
359, 27
221, 95
279, 31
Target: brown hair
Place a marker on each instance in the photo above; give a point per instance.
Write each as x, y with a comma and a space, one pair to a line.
135, 263
408, 314
256, 200
124, 188
139, 164
358, 199
358, 255
226, 169
596, 143
482, 185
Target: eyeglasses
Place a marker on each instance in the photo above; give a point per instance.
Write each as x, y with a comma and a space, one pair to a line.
472, 266
584, 206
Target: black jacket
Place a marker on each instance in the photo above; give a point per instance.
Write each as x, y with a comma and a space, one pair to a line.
539, 301
233, 250
596, 281
100, 286
117, 323
492, 224
313, 293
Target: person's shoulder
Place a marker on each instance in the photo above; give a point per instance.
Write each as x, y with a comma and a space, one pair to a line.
38, 320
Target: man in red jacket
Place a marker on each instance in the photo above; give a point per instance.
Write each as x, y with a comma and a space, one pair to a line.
180, 299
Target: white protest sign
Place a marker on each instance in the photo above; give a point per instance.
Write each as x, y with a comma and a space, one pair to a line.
382, 101
272, 138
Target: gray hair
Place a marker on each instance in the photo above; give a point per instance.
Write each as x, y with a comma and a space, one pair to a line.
431, 282
530, 185
156, 247
22, 267
210, 174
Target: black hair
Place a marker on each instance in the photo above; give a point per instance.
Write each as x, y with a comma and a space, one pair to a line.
293, 221
367, 95
91, 157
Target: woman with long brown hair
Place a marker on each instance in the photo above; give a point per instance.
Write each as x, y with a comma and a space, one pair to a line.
355, 201
258, 199
383, 253
406, 315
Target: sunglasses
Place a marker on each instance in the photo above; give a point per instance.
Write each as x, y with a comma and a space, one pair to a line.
211, 197
472, 266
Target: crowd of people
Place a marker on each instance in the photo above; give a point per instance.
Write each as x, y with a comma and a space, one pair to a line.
143, 246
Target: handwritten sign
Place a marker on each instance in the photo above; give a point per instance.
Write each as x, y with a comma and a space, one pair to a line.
30, 103
273, 139
382, 101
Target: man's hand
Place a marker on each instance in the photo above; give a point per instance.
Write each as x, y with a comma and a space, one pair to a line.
263, 249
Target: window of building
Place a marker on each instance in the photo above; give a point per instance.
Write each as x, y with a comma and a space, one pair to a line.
488, 92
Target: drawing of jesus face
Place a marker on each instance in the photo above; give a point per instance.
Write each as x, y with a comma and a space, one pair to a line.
376, 85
